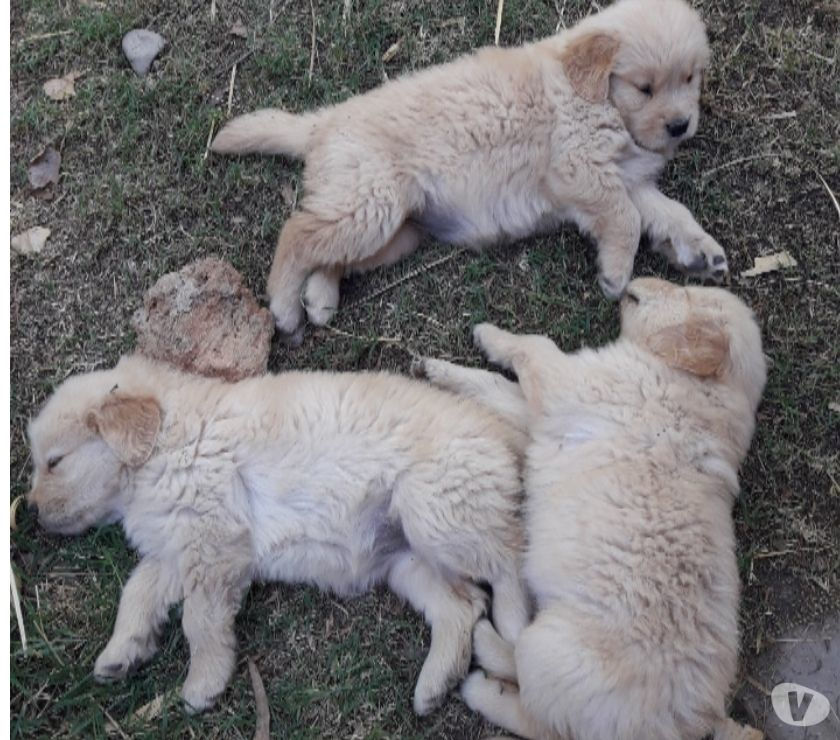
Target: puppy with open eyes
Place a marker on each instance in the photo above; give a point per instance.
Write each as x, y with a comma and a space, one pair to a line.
630, 478
339, 480
492, 147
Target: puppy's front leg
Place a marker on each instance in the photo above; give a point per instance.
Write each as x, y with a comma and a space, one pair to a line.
217, 571
152, 588
675, 234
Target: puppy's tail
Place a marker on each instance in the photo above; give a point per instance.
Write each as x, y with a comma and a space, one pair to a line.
268, 131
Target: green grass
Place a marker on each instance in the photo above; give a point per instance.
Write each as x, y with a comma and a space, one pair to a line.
138, 198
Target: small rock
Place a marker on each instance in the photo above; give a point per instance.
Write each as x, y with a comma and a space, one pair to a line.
31, 241
140, 47
203, 319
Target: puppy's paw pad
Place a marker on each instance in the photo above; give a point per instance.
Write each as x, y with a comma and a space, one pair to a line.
110, 672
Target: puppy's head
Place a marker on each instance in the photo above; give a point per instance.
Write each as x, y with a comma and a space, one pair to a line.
647, 57
707, 332
82, 441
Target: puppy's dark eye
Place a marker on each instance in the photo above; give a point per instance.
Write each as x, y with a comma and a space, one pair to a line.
646, 90
53, 461
689, 78
632, 297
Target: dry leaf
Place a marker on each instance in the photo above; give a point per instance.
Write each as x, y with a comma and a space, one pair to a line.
392, 51
43, 170
834, 406
30, 241
239, 29
146, 713
261, 702
288, 194
770, 263
61, 88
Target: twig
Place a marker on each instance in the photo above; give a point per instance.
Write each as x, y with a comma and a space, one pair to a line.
18, 611
212, 10
261, 703
756, 685
115, 725
230, 89
209, 140
740, 160
350, 335
345, 14
42, 36
405, 278
772, 554
499, 9
312, 43
830, 194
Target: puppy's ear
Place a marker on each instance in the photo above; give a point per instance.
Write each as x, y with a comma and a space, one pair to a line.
697, 346
128, 425
588, 62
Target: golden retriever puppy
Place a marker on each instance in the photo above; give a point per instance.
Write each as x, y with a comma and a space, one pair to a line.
492, 147
630, 479
338, 480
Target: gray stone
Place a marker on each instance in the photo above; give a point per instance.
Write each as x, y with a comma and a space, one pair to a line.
203, 319
140, 47
808, 660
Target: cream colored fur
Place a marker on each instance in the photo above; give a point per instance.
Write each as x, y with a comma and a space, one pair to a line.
630, 479
339, 480
492, 147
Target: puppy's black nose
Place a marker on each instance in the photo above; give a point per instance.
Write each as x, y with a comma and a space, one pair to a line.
32, 506
677, 127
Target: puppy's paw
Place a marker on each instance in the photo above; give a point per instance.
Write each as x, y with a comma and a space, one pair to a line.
701, 257
489, 338
478, 690
428, 698
288, 319
321, 297
613, 286
199, 694
120, 659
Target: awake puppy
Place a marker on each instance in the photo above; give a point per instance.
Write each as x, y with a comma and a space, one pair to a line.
492, 147
630, 479
339, 480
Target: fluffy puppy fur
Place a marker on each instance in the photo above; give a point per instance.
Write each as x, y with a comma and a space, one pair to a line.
496, 146
630, 479
339, 480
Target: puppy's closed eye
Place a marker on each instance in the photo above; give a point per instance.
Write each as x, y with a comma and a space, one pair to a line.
54, 461
646, 89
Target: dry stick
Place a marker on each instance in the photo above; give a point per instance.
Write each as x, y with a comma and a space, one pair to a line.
405, 278
212, 10
312, 44
114, 724
42, 36
499, 10
830, 194
18, 612
209, 140
230, 89
740, 160
261, 703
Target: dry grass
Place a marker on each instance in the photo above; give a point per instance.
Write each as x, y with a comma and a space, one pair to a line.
138, 198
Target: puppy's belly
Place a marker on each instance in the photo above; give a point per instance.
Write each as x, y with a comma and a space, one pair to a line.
479, 219
327, 546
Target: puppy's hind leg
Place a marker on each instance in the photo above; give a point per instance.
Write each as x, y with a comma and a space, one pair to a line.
492, 652
499, 702
511, 606
451, 609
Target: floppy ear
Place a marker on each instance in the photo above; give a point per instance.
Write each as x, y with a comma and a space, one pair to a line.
587, 61
698, 346
128, 425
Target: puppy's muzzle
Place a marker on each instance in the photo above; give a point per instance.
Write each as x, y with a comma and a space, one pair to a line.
677, 127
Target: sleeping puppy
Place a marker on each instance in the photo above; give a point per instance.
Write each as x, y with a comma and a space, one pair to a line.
630, 479
339, 480
493, 147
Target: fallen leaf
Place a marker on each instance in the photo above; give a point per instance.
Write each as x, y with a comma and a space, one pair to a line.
43, 170
30, 241
770, 263
288, 194
392, 51
834, 406
146, 713
238, 29
61, 88
261, 703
